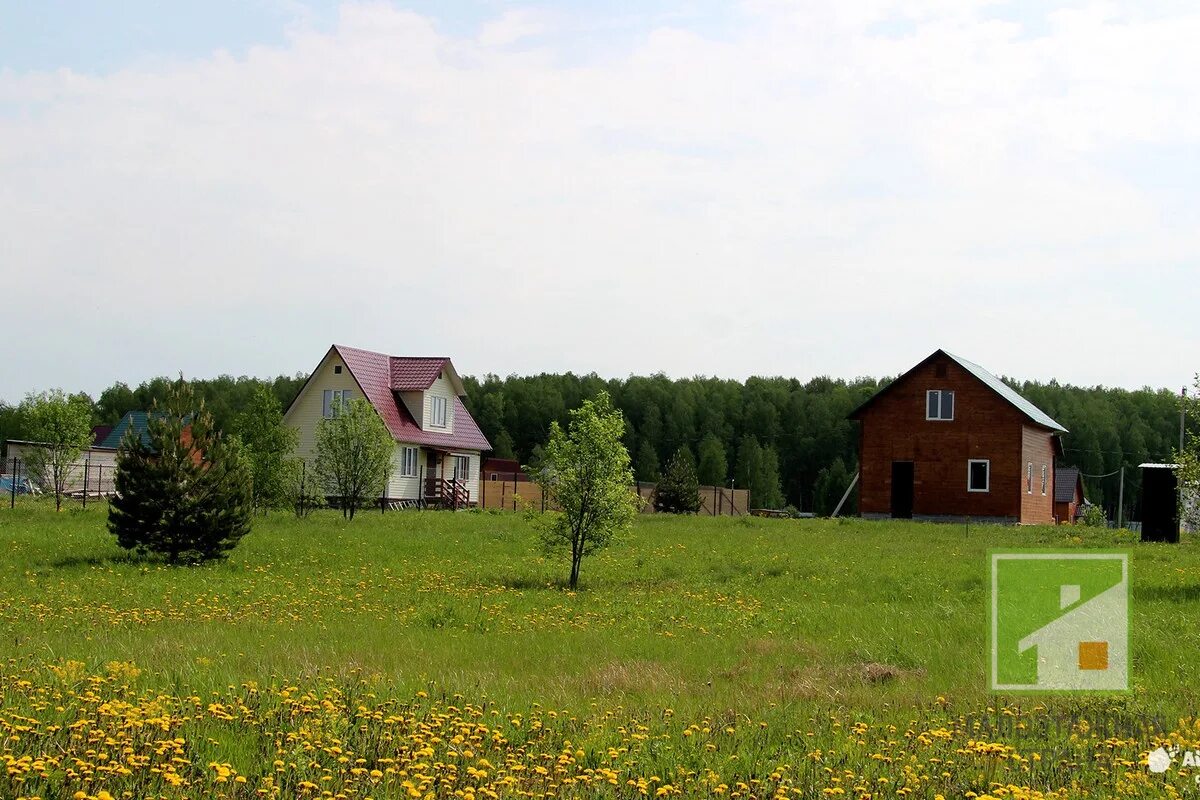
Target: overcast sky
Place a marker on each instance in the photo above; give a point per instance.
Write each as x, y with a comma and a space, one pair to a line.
691, 188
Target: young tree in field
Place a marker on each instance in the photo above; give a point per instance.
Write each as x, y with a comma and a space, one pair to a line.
678, 492
1189, 461
586, 471
354, 455
63, 425
185, 493
713, 469
268, 444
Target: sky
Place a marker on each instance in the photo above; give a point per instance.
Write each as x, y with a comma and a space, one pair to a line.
693, 188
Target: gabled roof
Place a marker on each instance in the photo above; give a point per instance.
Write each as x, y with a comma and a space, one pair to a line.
1066, 479
376, 376
132, 419
1032, 412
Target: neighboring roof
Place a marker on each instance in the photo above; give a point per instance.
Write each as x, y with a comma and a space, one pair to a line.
1066, 481
132, 419
100, 433
1032, 412
374, 374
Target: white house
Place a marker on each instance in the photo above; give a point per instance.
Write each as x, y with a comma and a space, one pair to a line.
438, 444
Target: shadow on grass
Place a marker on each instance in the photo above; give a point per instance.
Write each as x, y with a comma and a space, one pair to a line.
70, 562
1172, 594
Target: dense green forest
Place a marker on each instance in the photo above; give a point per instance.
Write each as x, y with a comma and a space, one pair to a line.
788, 441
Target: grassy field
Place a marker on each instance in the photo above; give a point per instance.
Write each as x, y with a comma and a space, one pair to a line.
427, 654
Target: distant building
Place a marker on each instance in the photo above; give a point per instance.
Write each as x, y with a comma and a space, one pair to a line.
503, 469
1068, 494
949, 440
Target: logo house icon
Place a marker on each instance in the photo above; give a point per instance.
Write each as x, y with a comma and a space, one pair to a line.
1059, 621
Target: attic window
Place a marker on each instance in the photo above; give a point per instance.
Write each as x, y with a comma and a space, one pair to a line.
939, 404
337, 370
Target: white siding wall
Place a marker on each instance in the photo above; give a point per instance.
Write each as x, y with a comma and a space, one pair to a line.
473, 479
307, 411
442, 388
403, 487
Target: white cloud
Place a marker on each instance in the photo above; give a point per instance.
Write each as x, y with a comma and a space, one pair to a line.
804, 195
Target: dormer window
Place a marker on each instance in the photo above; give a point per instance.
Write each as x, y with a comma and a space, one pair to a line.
939, 404
437, 412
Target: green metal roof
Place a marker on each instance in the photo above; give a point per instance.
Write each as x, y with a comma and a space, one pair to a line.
133, 419
1004, 390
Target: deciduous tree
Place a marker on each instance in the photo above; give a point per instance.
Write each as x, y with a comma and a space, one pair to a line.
585, 470
268, 444
62, 426
354, 455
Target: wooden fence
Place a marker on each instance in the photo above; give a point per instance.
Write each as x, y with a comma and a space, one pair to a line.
520, 495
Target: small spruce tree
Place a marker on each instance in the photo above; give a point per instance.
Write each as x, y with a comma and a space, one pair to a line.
185, 493
678, 491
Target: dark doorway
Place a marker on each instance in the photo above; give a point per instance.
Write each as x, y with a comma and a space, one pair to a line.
902, 489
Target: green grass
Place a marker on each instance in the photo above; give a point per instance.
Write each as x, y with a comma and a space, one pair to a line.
777, 622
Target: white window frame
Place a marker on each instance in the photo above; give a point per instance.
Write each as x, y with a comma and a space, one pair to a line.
466, 461
409, 470
438, 420
940, 394
1044, 480
334, 399
988, 474
1029, 478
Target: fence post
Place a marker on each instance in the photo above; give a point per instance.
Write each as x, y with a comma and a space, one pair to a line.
13, 500
86, 463
514, 491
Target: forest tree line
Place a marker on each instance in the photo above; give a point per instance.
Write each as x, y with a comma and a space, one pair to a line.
787, 441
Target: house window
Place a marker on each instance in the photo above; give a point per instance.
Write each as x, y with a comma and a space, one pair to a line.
939, 404
337, 370
333, 401
462, 468
1029, 478
978, 474
1043, 480
437, 412
408, 462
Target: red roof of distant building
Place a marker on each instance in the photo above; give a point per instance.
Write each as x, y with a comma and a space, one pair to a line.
100, 433
381, 376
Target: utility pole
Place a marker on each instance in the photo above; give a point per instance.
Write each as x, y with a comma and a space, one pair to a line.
1121, 498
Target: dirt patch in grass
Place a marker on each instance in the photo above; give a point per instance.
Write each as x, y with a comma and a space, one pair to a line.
629, 676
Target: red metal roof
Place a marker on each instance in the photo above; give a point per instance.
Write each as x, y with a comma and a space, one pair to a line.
374, 373
415, 374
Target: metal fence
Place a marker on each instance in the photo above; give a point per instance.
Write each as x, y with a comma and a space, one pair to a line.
83, 480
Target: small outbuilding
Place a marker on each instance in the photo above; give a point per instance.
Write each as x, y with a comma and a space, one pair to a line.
1068, 494
1160, 502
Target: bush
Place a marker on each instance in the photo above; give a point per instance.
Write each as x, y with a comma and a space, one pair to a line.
184, 494
1093, 517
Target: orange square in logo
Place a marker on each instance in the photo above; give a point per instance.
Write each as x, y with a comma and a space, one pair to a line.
1093, 655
